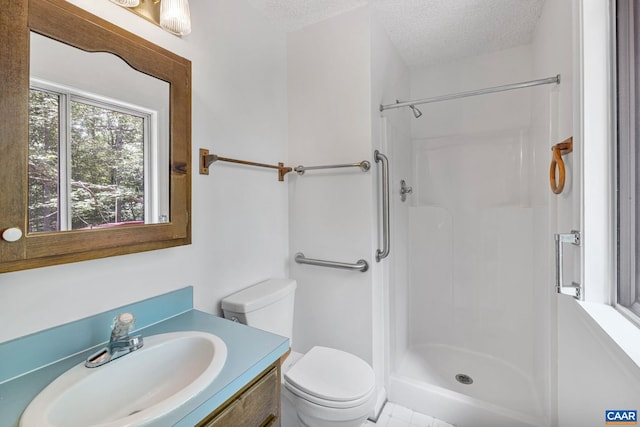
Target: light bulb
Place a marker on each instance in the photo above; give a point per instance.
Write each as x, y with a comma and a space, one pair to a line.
175, 16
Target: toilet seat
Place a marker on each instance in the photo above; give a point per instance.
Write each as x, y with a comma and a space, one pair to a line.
331, 378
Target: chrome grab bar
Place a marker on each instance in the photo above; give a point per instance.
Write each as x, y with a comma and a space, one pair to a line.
574, 239
361, 265
384, 252
364, 165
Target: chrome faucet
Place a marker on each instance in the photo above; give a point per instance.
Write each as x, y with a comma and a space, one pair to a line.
120, 342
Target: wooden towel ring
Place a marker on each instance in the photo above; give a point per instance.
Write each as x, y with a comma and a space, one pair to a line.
565, 147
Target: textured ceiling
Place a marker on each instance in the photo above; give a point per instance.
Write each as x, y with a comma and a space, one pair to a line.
424, 31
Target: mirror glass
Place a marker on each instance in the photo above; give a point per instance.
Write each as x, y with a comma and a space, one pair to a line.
98, 141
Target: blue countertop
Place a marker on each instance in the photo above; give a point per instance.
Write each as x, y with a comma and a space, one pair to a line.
249, 352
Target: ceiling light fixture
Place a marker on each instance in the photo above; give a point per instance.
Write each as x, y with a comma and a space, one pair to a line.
175, 16
127, 3
171, 15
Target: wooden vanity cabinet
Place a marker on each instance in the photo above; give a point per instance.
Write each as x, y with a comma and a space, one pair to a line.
255, 405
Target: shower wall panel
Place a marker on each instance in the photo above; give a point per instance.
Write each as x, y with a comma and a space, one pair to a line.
473, 170
398, 146
470, 245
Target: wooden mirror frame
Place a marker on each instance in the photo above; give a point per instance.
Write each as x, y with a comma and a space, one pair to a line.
69, 24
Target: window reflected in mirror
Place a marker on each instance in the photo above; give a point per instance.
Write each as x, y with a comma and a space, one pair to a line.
86, 162
98, 141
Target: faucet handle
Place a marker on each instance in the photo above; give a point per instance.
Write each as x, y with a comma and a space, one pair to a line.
123, 323
404, 190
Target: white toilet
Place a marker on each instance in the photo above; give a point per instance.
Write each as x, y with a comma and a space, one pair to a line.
324, 387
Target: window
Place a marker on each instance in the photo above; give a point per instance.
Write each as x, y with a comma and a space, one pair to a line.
87, 158
628, 153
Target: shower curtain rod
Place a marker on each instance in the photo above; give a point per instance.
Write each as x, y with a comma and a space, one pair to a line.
549, 80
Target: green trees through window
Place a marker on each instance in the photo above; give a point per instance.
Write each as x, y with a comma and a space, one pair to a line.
86, 163
44, 138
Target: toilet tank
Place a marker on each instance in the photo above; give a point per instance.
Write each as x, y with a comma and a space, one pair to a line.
266, 305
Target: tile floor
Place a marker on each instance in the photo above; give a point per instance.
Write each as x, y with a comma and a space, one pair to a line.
398, 416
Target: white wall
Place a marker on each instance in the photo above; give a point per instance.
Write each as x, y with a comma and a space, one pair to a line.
552, 120
329, 84
594, 375
240, 216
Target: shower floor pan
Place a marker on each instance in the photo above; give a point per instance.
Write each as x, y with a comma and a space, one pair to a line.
465, 388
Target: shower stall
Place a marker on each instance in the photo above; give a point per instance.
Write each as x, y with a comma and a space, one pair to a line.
469, 311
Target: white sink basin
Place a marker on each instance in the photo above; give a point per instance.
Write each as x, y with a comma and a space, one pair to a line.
133, 390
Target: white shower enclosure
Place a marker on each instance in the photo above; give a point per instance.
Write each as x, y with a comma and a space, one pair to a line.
469, 284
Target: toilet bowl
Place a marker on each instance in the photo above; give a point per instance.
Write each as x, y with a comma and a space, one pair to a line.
325, 387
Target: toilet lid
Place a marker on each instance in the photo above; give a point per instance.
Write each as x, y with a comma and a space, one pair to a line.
332, 375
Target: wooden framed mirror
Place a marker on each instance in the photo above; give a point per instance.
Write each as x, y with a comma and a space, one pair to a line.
22, 246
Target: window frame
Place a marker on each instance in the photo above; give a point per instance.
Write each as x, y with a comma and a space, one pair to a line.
67, 95
627, 59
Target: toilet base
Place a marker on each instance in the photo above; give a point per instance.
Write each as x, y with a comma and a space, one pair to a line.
297, 412
288, 416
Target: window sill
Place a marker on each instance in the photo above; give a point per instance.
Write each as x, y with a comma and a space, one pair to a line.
620, 329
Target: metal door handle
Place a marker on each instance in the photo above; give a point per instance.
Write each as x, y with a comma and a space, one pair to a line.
575, 239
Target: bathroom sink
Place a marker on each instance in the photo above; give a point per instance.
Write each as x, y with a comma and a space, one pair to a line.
133, 390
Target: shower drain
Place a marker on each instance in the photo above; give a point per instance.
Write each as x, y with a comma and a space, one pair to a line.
464, 379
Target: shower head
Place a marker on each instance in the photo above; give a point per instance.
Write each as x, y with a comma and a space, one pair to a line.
416, 113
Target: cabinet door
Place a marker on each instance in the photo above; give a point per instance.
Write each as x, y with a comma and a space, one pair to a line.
257, 405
